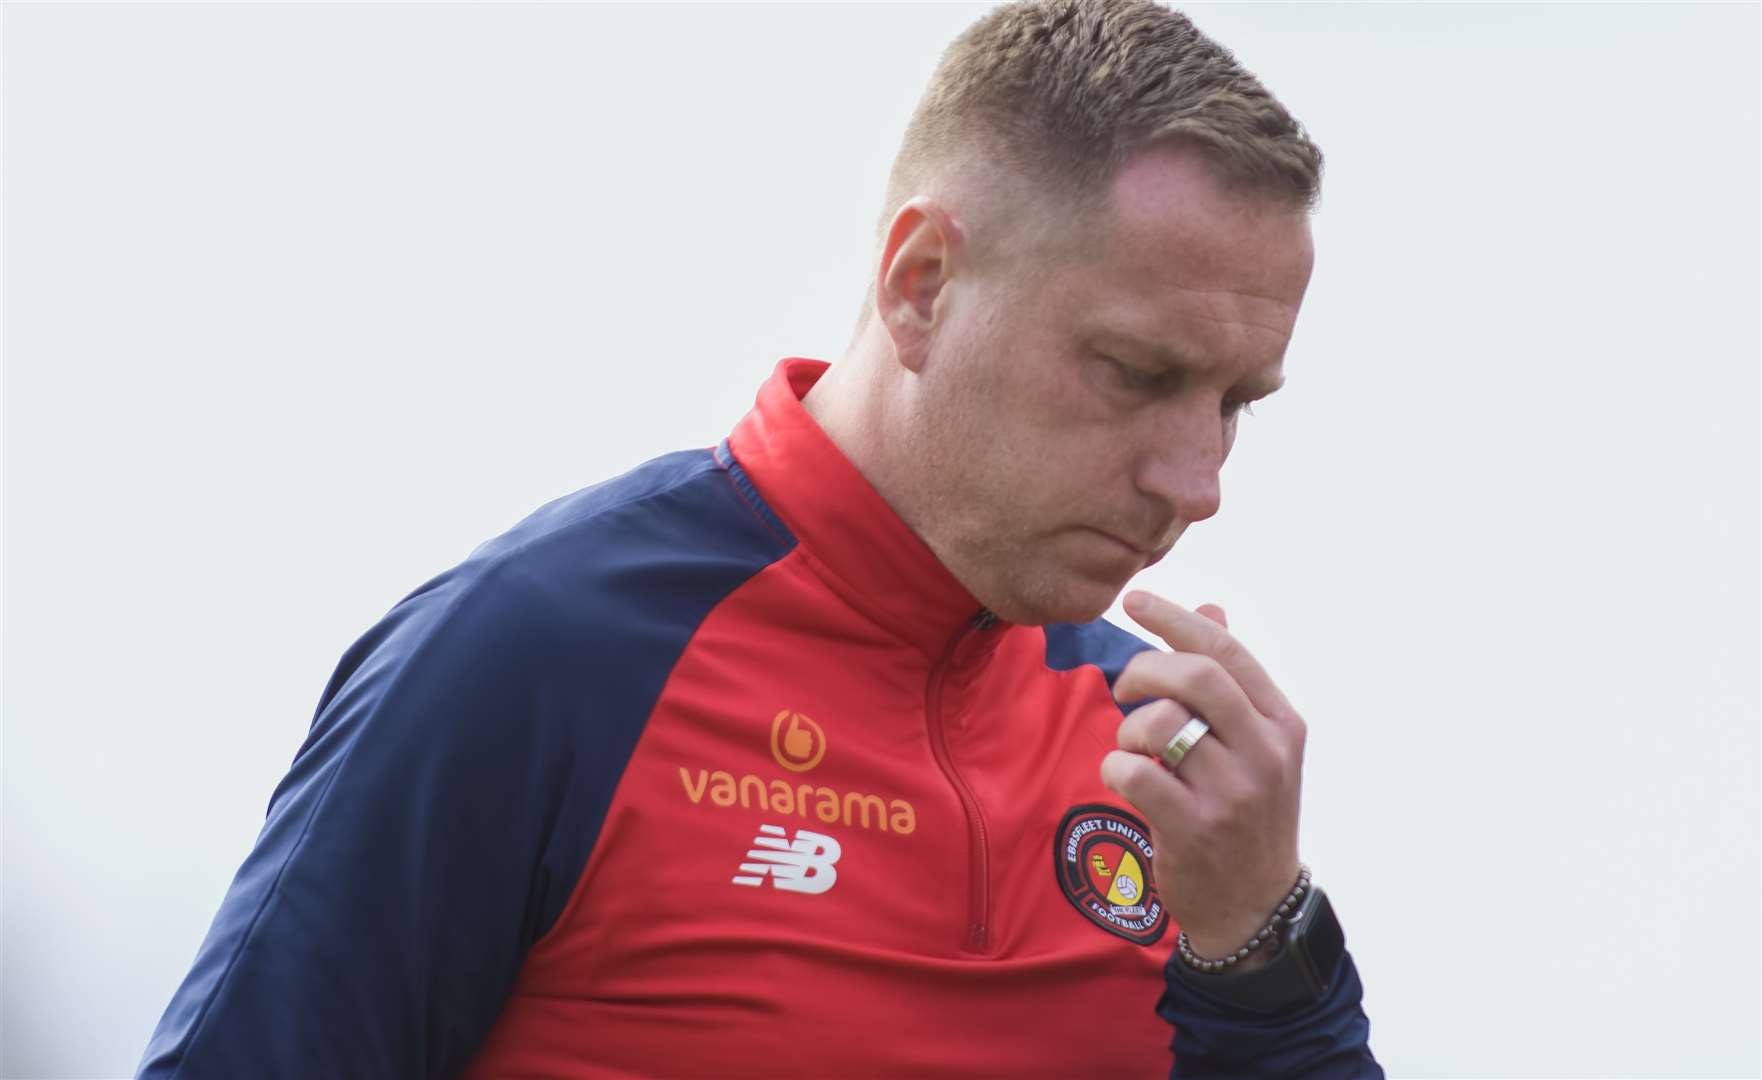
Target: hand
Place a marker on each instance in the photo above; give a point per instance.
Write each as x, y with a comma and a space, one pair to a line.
1224, 823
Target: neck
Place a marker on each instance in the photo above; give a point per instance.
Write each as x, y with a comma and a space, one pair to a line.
862, 404
854, 403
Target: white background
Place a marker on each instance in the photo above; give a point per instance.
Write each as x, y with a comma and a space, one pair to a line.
303, 302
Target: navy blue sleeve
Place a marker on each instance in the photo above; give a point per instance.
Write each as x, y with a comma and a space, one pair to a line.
461, 763
1326, 1040
405, 864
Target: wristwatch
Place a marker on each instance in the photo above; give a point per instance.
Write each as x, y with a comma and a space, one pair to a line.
1300, 972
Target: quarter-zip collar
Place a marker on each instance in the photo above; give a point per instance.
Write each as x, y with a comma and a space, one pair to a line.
874, 559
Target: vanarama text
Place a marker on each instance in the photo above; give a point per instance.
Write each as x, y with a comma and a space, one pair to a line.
782, 797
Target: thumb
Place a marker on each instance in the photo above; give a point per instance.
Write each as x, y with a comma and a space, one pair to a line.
1214, 613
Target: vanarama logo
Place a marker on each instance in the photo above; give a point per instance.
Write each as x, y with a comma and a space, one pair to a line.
779, 796
801, 746
798, 744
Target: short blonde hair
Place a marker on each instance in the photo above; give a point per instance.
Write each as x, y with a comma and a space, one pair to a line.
1057, 94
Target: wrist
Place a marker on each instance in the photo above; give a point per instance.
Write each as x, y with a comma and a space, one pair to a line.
1299, 972
1195, 951
1216, 944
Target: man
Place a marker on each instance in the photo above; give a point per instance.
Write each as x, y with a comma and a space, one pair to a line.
808, 753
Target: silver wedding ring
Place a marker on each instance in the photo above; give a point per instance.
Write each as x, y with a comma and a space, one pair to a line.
1185, 739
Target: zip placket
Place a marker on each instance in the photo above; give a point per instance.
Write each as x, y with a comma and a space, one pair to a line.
979, 864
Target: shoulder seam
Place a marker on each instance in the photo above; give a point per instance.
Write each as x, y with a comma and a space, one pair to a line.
503, 556
746, 499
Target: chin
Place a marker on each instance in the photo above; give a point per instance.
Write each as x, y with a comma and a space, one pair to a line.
1080, 604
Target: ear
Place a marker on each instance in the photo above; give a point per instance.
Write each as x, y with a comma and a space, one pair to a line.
917, 260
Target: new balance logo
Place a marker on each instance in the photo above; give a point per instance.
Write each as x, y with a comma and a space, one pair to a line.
802, 865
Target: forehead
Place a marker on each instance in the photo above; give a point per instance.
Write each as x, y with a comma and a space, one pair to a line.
1184, 261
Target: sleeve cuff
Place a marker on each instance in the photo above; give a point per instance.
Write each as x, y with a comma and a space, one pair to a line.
1328, 1039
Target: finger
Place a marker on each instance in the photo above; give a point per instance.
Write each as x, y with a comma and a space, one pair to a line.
1201, 685
1144, 783
1214, 613
1148, 729
1186, 631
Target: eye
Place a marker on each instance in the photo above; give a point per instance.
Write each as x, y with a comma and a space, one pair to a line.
1133, 377
1231, 408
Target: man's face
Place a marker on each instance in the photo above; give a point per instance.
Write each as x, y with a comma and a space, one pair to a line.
1076, 412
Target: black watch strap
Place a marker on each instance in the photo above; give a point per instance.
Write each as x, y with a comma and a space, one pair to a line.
1300, 973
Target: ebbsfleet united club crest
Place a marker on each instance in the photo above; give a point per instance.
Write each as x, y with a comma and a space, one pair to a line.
1102, 857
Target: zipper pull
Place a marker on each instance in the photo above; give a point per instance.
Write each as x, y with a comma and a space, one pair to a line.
985, 620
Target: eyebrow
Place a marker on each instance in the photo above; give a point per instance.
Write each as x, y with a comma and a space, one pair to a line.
1260, 385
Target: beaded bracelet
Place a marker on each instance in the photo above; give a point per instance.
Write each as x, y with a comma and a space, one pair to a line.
1266, 932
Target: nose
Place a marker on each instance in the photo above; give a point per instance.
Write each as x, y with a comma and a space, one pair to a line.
1181, 460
